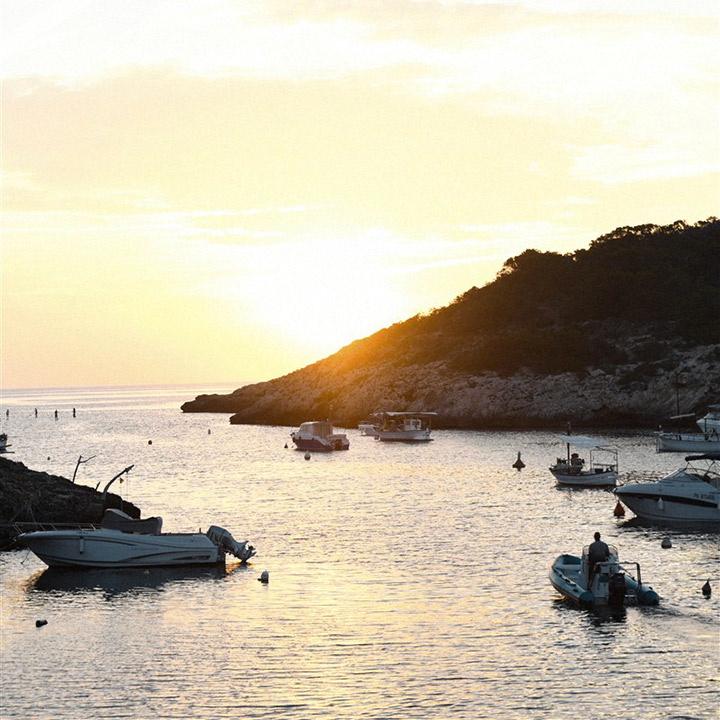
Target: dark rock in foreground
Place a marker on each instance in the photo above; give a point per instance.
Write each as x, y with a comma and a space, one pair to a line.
29, 496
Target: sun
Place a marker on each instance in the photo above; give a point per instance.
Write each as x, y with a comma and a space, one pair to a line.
326, 293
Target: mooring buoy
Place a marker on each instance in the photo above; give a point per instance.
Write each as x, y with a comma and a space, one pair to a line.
264, 577
518, 464
619, 510
706, 589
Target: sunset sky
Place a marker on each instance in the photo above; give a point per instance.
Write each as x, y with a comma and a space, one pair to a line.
225, 191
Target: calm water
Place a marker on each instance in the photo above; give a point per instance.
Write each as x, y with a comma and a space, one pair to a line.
405, 581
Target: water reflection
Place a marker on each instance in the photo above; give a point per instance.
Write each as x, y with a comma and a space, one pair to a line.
595, 616
123, 581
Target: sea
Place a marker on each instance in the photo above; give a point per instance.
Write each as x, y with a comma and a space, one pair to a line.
405, 581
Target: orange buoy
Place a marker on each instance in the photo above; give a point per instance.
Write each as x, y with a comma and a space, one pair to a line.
619, 510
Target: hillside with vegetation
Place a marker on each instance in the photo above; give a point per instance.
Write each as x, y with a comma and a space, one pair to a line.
616, 334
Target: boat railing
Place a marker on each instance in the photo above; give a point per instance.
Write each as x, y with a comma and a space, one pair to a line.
24, 527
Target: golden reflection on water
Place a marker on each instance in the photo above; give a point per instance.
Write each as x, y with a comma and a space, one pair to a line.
405, 582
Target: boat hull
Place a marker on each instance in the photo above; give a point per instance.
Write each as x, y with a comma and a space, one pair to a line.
586, 479
660, 506
115, 549
317, 444
687, 442
409, 436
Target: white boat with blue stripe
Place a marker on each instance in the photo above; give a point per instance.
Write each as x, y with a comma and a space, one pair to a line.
688, 495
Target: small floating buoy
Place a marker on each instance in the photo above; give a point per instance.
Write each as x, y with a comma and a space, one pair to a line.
518, 464
666, 543
706, 589
264, 577
209, 431
149, 442
286, 446
40, 623
619, 510
307, 455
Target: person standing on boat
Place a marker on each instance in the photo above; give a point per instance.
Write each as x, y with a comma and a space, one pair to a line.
597, 552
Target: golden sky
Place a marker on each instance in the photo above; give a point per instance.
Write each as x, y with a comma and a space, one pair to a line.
228, 190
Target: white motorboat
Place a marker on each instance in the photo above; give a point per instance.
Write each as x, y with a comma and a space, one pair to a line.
688, 495
121, 541
319, 436
405, 426
687, 442
711, 420
612, 583
574, 471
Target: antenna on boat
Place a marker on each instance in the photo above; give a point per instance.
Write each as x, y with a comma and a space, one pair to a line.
120, 474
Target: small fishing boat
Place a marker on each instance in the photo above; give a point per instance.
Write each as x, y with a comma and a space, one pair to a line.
120, 541
612, 584
574, 471
319, 436
4, 444
404, 426
688, 495
687, 442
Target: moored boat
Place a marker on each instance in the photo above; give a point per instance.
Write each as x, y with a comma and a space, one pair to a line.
688, 495
319, 436
572, 470
612, 583
4, 444
687, 442
405, 426
120, 541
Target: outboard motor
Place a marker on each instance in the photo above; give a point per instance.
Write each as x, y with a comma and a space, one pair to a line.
616, 590
224, 540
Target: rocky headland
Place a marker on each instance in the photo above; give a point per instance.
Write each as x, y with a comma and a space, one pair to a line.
29, 496
624, 334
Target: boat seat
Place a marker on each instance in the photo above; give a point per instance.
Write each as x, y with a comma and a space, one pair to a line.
118, 520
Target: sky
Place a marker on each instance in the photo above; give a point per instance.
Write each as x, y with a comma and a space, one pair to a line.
228, 190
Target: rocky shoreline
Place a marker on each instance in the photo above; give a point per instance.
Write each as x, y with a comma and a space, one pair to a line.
29, 496
631, 396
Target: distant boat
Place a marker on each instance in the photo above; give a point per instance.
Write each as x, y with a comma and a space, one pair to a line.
574, 471
711, 420
690, 494
687, 442
319, 436
405, 426
613, 583
4, 444
121, 542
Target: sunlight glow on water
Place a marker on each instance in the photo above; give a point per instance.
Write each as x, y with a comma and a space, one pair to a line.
405, 582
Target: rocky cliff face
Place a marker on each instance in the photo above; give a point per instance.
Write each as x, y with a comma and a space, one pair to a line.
630, 396
28, 496
620, 334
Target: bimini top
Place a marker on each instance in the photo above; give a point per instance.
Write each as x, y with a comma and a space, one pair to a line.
580, 441
705, 456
